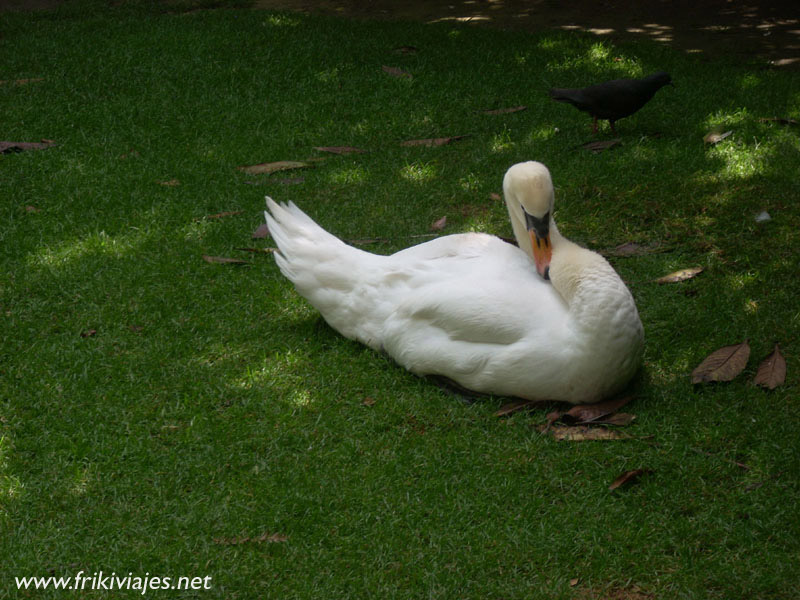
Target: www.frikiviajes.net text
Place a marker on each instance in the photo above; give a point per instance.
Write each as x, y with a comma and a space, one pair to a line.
112, 581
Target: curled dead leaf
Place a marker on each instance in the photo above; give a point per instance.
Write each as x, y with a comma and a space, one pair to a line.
439, 224
89, 333
587, 413
430, 142
221, 260
273, 167
504, 111
169, 183
222, 215
723, 364
397, 72
715, 137
340, 149
9, 147
772, 370
511, 408
599, 146
261, 232
627, 477
681, 275
368, 401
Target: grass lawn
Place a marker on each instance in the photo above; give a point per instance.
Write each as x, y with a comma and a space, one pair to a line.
162, 415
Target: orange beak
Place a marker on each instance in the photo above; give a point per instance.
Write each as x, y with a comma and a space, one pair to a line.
539, 231
542, 253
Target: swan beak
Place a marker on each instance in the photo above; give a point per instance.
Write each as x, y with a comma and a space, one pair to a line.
539, 231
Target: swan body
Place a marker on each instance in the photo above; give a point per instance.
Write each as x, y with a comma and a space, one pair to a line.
546, 320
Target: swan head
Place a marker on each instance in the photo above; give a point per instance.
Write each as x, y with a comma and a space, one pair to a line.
528, 191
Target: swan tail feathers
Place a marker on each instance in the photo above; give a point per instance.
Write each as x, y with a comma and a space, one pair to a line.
328, 273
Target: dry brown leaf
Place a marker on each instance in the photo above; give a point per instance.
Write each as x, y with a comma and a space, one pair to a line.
9, 147
772, 370
264, 537
89, 333
169, 183
715, 137
599, 146
723, 364
495, 196
430, 142
511, 408
396, 72
368, 401
627, 477
340, 149
586, 413
21, 81
273, 167
259, 250
439, 224
261, 232
682, 275
574, 581
221, 260
583, 434
634, 249
504, 111
618, 419
32, 209
222, 215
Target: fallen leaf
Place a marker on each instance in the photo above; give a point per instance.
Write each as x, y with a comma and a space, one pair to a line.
261, 232
439, 224
32, 209
136, 328
682, 275
406, 49
779, 121
9, 147
220, 260
368, 401
715, 137
627, 477
511, 408
272, 167
633, 249
89, 333
583, 434
495, 196
504, 111
264, 537
340, 149
21, 81
395, 72
599, 146
259, 250
723, 364
170, 183
586, 413
574, 581
772, 370
430, 142
222, 215
617, 419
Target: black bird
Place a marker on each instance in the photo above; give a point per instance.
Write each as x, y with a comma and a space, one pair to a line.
613, 100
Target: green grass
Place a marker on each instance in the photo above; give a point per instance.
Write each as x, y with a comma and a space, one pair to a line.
213, 404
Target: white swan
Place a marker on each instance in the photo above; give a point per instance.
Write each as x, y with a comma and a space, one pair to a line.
473, 308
